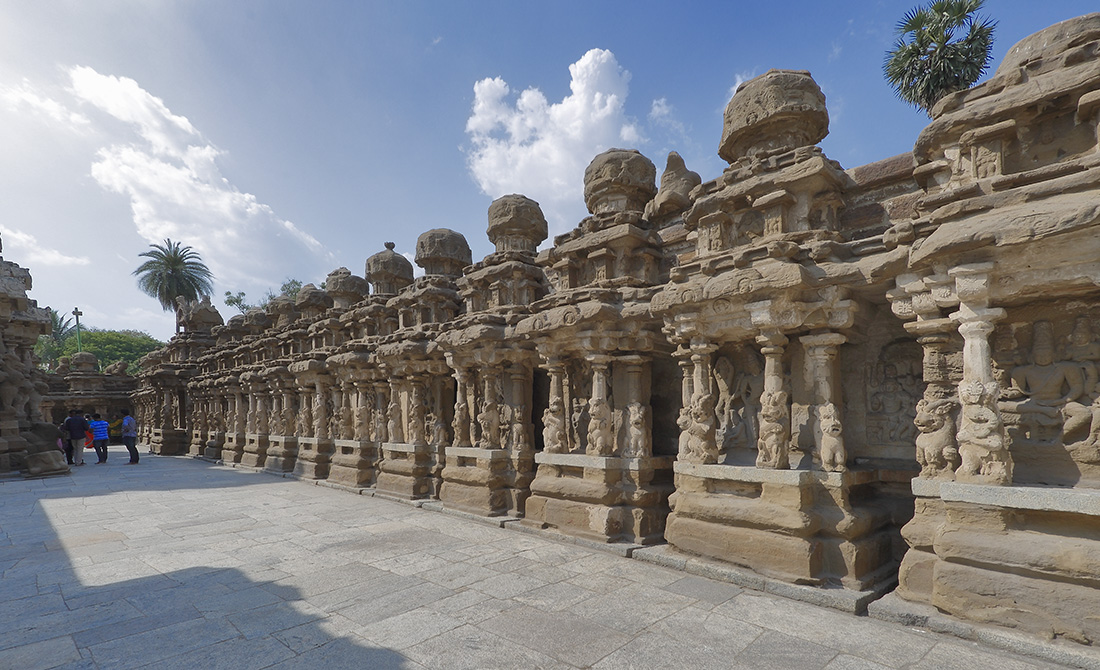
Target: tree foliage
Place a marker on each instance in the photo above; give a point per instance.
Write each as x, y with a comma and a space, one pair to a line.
927, 62
288, 288
48, 347
173, 270
111, 346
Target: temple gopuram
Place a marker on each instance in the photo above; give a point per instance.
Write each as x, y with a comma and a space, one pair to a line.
866, 381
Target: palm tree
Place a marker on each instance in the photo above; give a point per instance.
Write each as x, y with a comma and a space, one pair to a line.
926, 64
61, 327
172, 271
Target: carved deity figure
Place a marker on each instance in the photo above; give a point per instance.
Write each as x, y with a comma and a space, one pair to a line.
305, 419
437, 429
347, 423
937, 453
261, 416
983, 448
362, 427
638, 440
489, 420
579, 419
1045, 392
290, 424
393, 421
553, 428
417, 411
461, 424
683, 422
833, 455
600, 437
774, 431
701, 445
520, 441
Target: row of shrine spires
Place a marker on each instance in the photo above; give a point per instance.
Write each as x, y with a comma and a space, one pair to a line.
777, 112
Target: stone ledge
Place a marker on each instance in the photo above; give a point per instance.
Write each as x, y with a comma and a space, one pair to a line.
403, 448
894, 608
845, 600
495, 521
1036, 498
747, 473
478, 453
602, 462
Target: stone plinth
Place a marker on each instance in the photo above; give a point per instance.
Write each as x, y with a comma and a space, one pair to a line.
282, 453
255, 450
602, 498
314, 458
801, 526
475, 480
233, 447
169, 442
198, 442
405, 470
996, 561
353, 463
213, 448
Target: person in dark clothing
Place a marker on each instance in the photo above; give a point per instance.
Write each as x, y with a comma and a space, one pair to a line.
75, 428
129, 436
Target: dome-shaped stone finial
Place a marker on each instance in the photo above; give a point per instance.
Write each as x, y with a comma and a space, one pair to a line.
778, 111
619, 180
345, 288
388, 271
516, 223
442, 251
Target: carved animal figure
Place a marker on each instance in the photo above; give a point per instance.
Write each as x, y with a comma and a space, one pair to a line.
637, 435
599, 428
701, 444
772, 444
937, 453
553, 428
833, 455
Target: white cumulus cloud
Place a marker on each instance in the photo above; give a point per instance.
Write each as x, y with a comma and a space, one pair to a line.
170, 175
29, 250
525, 144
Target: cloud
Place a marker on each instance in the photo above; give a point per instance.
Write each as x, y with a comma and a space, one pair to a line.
26, 98
34, 253
525, 144
170, 175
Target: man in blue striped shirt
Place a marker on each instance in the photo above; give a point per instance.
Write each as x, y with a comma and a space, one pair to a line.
99, 437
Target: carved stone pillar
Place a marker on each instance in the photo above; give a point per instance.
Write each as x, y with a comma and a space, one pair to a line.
775, 415
983, 442
462, 417
821, 356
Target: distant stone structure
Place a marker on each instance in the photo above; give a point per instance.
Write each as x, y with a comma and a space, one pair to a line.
840, 378
77, 383
28, 445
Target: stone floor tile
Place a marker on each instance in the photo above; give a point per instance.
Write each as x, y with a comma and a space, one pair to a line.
859, 636
702, 629
508, 585
846, 662
312, 634
779, 651
264, 621
703, 589
653, 651
40, 655
348, 652
632, 608
405, 630
471, 648
237, 653
562, 635
107, 631
961, 655
555, 597
599, 582
458, 575
134, 651
392, 604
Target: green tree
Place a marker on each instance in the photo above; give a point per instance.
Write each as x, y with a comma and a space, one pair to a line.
288, 288
48, 347
927, 62
111, 346
172, 271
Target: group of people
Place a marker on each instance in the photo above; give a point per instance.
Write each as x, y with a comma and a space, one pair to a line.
82, 430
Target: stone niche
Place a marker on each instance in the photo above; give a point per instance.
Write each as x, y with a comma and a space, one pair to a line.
836, 378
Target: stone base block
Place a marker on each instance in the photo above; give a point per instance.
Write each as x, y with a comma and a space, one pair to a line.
282, 453
353, 463
233, 447
314, 458
800, 526
405, 471
199, 439
169, 442
475, 481
255, 450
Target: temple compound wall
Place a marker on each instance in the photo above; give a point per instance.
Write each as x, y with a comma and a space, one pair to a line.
835, 378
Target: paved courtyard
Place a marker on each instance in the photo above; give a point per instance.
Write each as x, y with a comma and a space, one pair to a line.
178, 563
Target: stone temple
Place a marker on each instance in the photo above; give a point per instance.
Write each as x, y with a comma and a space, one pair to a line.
843, 379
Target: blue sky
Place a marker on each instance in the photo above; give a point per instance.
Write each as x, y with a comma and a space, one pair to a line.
286, 139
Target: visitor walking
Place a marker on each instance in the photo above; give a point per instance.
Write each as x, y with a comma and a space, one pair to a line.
129, 436
74, 428
100, 437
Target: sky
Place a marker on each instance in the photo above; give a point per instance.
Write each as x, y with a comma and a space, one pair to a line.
284, 139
